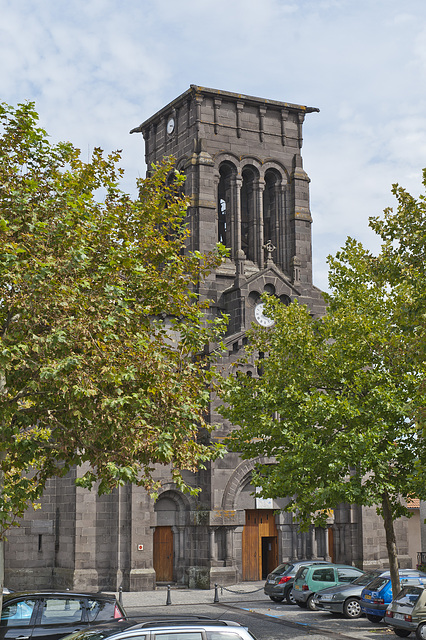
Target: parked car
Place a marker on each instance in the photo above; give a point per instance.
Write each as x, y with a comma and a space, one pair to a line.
190, 629
308, 580
345, 598
407, 612
378, 594
279, 583
55, 614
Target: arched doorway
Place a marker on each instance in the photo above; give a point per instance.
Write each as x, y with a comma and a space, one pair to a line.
163, 548
258, 542
163, 554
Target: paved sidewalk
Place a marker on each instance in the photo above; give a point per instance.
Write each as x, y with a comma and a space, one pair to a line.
183, 596
246, 603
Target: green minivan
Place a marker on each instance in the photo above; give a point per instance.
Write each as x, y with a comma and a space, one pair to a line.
308, 580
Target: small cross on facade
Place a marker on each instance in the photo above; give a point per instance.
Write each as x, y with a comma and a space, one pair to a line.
269, 249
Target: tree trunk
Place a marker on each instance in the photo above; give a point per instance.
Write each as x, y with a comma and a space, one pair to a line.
391, 544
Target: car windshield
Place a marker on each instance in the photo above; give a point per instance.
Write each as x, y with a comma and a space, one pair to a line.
365, 579
378, 583
282, 568
408, 596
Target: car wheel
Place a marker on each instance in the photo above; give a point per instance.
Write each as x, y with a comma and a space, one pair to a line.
310, 604
421, 631
402, 633
289, 597
352, 608
277, 598
375, 618
302, 605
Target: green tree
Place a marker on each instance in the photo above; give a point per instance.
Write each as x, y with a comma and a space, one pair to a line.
101, 326
401, 263
339, 407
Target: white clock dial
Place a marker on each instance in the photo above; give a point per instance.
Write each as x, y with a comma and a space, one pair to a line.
171, 125
260, 316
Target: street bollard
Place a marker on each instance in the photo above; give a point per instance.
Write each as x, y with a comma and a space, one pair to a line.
216, 593
169, 598
120, 596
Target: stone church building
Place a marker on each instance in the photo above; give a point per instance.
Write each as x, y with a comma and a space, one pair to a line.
248, 189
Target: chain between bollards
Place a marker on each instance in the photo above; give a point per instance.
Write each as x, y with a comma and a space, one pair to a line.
169, 598
216, 593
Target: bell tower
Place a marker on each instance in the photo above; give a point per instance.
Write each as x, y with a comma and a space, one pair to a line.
248, 190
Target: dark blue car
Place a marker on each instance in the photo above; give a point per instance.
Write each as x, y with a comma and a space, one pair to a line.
378, 594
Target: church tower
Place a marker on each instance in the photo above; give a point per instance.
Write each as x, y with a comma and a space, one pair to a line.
248, 190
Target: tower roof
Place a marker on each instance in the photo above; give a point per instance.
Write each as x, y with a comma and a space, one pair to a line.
218, 93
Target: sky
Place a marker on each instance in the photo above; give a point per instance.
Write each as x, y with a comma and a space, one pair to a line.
98, 68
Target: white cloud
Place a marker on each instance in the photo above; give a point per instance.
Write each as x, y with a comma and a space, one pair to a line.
96, 69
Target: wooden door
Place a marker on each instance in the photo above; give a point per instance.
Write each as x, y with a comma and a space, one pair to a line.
163, 554
259, 524
250, 541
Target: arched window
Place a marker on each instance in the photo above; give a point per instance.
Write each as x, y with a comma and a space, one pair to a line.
224, 204
272, 225
221, 222
249, 226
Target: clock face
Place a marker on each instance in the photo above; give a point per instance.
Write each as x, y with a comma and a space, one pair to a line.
171, 125
260, 316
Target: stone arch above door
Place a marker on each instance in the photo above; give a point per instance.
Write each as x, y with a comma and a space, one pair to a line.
171, 508
238, 480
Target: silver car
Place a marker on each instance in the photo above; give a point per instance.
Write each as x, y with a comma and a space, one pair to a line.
407, 612
345, 598
168, 628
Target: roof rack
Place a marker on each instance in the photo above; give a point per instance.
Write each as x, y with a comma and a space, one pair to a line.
187, 621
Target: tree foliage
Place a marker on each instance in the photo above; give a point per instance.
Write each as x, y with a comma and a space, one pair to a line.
339, 408
101, 327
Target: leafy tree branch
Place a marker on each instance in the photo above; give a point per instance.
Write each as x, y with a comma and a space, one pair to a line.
101, 323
